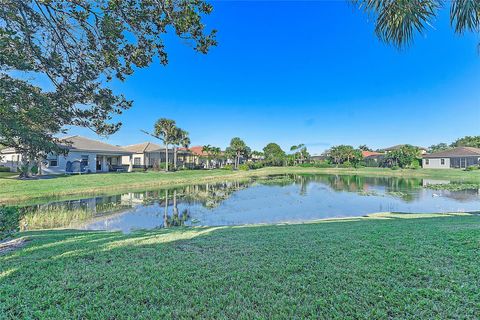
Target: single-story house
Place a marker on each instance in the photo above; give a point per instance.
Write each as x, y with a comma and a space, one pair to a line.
84, 156
460, 157
372, 158
194, 156
423, 150
148, 154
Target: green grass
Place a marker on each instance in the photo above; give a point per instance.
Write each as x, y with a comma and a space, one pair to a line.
388, 267
13, 190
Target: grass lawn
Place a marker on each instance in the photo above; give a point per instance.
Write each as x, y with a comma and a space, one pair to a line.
388, 267
14, 190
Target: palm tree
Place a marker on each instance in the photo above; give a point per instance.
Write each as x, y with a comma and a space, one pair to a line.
185, 143
397, 21
215, 152
237, 148
164, 130
180, 138
207, 149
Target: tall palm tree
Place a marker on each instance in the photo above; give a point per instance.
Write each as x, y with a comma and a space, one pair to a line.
207, 149
185, 143
397, 21
180, 138
164, 130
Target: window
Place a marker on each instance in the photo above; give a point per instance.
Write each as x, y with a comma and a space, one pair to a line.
442, 162
427, 161
52, 160
136, 161
84, 160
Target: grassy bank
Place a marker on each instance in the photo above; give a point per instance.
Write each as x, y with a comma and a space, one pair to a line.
14, 190
387, 267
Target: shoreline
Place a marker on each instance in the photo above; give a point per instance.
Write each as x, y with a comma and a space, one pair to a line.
22, 191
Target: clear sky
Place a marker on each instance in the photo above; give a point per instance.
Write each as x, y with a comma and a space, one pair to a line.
308, 72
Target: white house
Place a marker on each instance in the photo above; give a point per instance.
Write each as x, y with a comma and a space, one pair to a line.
84, 156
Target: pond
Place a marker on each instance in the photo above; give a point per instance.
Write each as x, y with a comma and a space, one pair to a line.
275, 199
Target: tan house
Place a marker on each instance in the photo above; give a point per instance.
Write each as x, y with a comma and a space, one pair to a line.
460, 157
84, 155
148, 154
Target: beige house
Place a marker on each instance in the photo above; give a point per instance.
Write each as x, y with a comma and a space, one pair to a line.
84, 155
148, 154
460, 157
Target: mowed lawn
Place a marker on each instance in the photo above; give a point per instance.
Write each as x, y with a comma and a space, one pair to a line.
386, 268
13, 190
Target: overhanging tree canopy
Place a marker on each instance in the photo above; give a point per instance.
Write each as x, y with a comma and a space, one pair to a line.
80, 46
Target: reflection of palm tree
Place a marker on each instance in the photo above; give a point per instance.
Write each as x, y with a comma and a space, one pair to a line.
165, 213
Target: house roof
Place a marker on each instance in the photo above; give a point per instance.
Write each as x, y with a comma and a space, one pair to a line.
455, 152
143, 147
367, 154
79, 143
398, 146
196, 150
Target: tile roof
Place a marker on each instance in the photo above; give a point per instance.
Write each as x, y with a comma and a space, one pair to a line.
79, 143
455, 152
144, 147
367, 154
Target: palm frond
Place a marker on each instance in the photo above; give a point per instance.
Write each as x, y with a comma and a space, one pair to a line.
397, 21
465, 15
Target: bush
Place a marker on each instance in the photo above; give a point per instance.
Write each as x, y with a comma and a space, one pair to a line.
244, 167
256, 165
9, 221
4, 169
472, 168
394, 167
323, 164
306, 165
227, 167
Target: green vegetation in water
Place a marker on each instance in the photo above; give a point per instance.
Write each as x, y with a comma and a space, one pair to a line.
454, 186
61, 217
392, 266
367, 193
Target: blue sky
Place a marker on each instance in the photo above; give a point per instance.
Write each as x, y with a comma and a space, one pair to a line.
308, 72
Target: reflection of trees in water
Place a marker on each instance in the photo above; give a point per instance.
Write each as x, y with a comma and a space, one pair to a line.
175, 219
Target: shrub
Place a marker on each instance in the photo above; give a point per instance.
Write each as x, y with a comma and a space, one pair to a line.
472, 168
256, 165
244, 167
346, 164
227, 167
394, 167
323, 164
306, 165
9, 221
4, 169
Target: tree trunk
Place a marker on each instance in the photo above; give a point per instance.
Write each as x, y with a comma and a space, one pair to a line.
166, 157
175, 157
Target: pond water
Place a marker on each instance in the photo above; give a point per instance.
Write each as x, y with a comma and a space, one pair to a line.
276, 199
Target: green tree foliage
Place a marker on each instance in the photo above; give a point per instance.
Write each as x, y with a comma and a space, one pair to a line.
345, 154
75, 48
439, 147
180, 139
403, 157
397, 21
364, 147
300, 153
237, 149
165, 130
274, 155
468, 141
